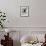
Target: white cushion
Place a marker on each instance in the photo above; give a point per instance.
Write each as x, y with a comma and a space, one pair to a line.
27, 38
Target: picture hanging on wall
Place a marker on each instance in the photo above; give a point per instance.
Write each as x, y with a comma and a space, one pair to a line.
24, 11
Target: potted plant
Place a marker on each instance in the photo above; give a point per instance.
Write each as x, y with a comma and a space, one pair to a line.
2, 19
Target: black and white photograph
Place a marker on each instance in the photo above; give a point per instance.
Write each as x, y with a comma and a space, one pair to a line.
24, 11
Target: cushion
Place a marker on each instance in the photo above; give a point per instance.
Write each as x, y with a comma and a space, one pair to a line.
26, 39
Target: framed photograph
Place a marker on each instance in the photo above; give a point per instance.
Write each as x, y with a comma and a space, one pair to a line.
24, 11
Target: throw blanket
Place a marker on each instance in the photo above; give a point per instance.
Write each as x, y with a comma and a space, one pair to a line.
27, 44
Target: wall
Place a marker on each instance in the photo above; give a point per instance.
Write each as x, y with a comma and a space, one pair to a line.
37, 13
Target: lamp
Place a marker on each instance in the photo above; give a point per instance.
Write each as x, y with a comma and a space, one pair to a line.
7, 31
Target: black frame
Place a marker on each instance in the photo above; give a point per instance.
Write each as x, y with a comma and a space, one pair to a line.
21, 9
